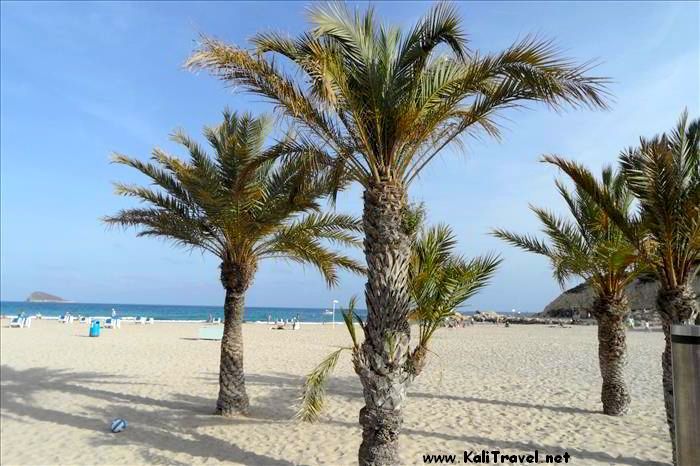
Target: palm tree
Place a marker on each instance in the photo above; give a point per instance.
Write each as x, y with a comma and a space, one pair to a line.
663, 174
380, 104
594, 249
440, 280
243, 206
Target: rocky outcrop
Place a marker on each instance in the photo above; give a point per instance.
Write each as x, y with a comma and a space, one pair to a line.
41, 297
576, 302
495, 318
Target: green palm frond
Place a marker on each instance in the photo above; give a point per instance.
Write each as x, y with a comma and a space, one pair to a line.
663, 175
313, 397
381, 102
246, 203
526, 242
591, 245
349, 316
441, 281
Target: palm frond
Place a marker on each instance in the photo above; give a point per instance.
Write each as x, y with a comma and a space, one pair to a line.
313, 396
590, 245
245, 203
383, 103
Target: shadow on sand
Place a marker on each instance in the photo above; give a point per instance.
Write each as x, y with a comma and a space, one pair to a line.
174, 428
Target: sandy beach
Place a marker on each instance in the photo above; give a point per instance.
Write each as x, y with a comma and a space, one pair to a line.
516, 389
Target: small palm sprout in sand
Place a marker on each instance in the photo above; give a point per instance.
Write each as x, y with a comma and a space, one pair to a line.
663, 174
593, 248
440, 282
247, 204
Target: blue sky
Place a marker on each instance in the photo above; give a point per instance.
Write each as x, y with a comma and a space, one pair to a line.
81, 80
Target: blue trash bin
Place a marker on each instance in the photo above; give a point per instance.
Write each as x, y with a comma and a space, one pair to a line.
95, 329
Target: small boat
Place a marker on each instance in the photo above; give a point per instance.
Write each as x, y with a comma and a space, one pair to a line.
327, 313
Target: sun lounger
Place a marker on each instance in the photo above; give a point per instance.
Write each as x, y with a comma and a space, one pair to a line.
109, 323
150, 320
140, 320
17, 322
27, 322
66, 319
83, 320
211, 333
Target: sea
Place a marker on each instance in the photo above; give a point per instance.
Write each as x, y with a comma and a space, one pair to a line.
169, 312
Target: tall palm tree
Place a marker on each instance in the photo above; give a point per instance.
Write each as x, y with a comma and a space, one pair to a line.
593, 248
379, 104
663, 174
243, 205
440, 280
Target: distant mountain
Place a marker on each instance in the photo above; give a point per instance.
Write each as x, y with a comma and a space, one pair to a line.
41, 297
578, 301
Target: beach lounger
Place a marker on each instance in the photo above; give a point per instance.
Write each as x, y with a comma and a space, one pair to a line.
140, 320
83, 320
17, 322
66, 319
109, 323
150, 320
27, 322
217, 320
211, 333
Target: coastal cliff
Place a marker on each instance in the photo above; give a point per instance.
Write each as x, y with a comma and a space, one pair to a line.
577, 301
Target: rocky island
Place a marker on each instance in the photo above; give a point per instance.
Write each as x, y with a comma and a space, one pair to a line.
41, 297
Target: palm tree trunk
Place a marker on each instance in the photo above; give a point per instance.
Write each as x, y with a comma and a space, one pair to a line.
233, 398
612, 349
381, 361
676, 306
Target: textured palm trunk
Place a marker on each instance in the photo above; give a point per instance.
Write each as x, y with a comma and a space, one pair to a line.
382, 360
676, 306
612, 352
233, 398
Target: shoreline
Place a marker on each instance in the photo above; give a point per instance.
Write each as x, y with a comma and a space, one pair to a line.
131, 320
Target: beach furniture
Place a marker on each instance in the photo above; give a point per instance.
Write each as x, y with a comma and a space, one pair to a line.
150, 320
109, 322
66, 319
83, 320
140, 320
211, 333
17, 322
27, 322
216, 321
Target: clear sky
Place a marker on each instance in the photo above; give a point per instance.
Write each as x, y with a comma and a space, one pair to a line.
80, 80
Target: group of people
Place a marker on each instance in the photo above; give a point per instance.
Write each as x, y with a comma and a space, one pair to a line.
281, 324
631, 323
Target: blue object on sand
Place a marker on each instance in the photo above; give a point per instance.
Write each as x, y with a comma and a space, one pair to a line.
95, 329
118, 425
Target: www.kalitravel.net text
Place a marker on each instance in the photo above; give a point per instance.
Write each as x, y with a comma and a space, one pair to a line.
496, 457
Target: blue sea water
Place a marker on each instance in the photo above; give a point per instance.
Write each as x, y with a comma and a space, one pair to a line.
166, 312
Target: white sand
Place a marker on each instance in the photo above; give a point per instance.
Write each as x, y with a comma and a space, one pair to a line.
517, 389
